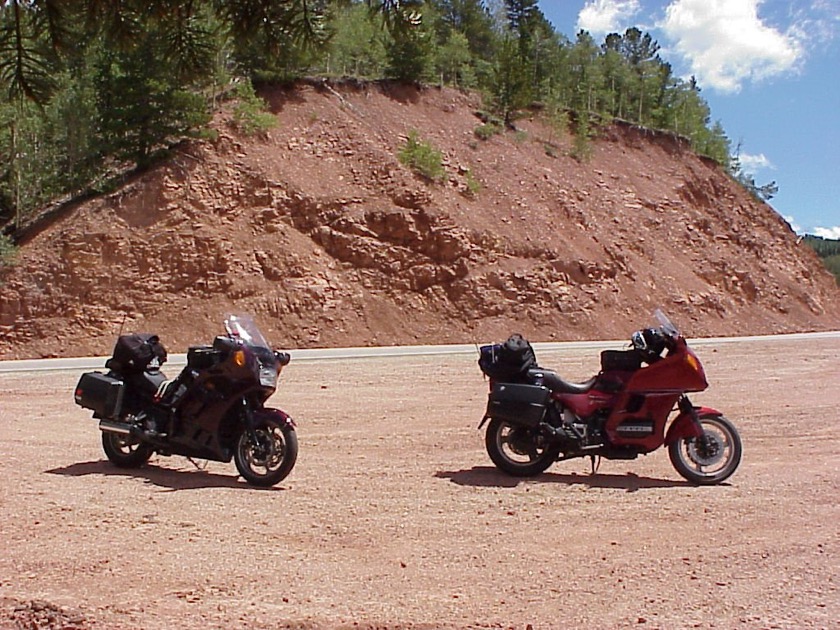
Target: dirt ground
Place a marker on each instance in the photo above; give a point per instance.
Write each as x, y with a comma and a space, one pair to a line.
395, 518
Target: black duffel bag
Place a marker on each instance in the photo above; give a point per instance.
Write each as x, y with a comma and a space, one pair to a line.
508, 361
134, 353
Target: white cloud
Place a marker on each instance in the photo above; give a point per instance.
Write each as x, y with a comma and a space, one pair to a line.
753, 163
817, 24
726, 43
601, 17
832, 232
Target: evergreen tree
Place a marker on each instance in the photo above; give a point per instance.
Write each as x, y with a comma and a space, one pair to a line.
357, 45
141, 103
640, 51
409, 51
511, 87
472, 19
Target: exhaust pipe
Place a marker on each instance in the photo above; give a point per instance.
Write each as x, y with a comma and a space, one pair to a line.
109, 426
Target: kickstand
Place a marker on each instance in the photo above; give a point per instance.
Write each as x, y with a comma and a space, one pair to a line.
198, 465
595, 463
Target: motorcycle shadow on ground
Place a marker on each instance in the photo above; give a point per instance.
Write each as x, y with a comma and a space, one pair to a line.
488, 476
169, 478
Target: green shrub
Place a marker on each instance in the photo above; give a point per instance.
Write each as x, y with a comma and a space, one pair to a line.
473, 185
249, 114
8, 251
422, 158
487, 130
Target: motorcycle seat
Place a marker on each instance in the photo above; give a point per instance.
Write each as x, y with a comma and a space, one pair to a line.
552, 380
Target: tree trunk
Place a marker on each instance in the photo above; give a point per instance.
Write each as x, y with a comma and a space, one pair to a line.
16, 182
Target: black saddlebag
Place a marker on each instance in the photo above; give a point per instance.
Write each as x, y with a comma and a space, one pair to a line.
518, 404
101, 394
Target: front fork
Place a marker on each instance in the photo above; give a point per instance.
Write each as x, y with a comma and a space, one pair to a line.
250, 423
687, 423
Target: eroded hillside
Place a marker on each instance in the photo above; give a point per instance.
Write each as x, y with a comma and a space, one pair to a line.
322, 233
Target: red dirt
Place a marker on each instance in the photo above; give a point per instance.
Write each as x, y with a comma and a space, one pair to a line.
394, 517
318, 230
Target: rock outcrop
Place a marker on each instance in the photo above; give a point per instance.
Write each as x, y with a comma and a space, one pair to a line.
321, 232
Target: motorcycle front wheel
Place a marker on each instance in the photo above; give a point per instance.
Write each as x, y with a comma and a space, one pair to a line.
518, 451
125, 451
268, 456
710, 458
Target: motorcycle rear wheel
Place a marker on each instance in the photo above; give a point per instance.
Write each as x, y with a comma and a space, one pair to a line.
125, 451
712, 458
518, 451
271, 458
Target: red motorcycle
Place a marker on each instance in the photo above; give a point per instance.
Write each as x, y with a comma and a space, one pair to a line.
536, 418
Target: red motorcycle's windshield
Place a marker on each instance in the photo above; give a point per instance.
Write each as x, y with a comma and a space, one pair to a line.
245, 328
668, 327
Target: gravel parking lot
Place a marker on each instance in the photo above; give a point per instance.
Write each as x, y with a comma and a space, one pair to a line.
395, 518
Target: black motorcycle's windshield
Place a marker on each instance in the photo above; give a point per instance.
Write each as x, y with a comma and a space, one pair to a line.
244, 327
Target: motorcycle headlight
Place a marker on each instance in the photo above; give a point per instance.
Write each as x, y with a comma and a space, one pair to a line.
268, 377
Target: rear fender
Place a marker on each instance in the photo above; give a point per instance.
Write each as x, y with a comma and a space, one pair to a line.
687, 424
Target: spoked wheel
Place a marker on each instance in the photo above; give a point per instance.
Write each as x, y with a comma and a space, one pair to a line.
270, 457
125, 451
518, 451
711, 458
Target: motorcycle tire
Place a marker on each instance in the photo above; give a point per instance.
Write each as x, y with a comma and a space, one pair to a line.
271, 458
712, 458
518, 451
125, 451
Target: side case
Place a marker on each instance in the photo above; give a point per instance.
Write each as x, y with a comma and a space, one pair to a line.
100, 393
518, 404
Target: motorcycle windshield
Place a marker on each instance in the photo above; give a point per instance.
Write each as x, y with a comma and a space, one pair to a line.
668, 327
245, 328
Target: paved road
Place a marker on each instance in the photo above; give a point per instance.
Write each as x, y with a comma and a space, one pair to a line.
318, 354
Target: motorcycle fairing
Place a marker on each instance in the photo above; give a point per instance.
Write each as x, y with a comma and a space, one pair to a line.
677, 372
635, 409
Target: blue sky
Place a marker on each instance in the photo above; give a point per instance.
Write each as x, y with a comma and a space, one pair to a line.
770, 71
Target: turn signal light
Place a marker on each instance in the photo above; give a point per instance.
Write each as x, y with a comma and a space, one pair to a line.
693, 362
239, 358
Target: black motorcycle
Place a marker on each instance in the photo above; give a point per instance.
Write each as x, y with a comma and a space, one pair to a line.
214, 410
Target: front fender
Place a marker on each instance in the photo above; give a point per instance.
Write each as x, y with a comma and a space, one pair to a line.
278, 415
687, 424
